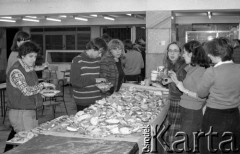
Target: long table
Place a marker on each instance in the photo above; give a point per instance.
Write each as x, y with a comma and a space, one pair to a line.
45, 144
133, 139
136, 138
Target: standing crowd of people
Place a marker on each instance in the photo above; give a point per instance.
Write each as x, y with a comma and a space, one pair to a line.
211, 79
198, 75
104, 60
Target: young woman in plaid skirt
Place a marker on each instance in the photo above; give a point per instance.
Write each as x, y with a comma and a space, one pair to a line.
173, 62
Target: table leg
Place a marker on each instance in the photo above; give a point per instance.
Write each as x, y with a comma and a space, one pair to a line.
4, 104
53, 107
54, 111
1, 93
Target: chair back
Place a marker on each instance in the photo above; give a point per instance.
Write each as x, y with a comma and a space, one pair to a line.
53, 68
60, 86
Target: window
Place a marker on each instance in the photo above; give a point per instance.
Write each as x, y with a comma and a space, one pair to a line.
54, 42
70, 42
38, 38
82, 39
61, 38
118, 33
56, 56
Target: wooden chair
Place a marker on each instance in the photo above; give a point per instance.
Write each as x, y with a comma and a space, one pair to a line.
61, 94
66, 77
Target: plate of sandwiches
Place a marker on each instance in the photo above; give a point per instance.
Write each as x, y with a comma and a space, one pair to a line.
104, 86
49, 92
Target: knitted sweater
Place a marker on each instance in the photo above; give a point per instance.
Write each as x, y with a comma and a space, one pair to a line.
23, 87
174, 92
194, 74
109, 70
236, 55
134, 63
83, 74
222, 86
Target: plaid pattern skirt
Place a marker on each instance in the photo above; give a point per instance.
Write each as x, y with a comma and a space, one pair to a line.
173, 119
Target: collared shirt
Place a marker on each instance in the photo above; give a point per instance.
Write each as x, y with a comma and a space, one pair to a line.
223, 62
18, 80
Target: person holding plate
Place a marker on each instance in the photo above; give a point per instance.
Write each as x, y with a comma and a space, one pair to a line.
84, 74
24, 90
111, 66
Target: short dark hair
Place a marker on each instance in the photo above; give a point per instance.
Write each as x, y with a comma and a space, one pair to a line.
19, 36
106, 37
219, 47
28, 47
128, 44
199, 56
96, 44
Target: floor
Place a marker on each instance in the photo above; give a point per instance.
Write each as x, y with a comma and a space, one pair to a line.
47, 115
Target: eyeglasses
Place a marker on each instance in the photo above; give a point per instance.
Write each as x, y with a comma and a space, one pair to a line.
174, 51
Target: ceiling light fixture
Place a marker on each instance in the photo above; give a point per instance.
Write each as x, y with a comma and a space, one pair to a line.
33, 20
7, 20
109, 18
139, 16
93, 15
82, 19
7, 17
34, 17
53, 19
209, 14
63, 16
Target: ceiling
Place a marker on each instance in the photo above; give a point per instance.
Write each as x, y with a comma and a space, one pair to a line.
82, 17
125, 18
205, 13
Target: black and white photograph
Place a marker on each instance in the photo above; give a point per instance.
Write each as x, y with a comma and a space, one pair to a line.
120, 77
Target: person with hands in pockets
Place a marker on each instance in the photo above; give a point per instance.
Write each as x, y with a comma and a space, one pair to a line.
24, 90
84, 74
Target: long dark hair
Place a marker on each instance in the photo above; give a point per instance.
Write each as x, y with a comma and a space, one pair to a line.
199, 56
19, 36
168, 64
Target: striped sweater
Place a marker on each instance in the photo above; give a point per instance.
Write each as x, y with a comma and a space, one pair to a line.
84, 71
